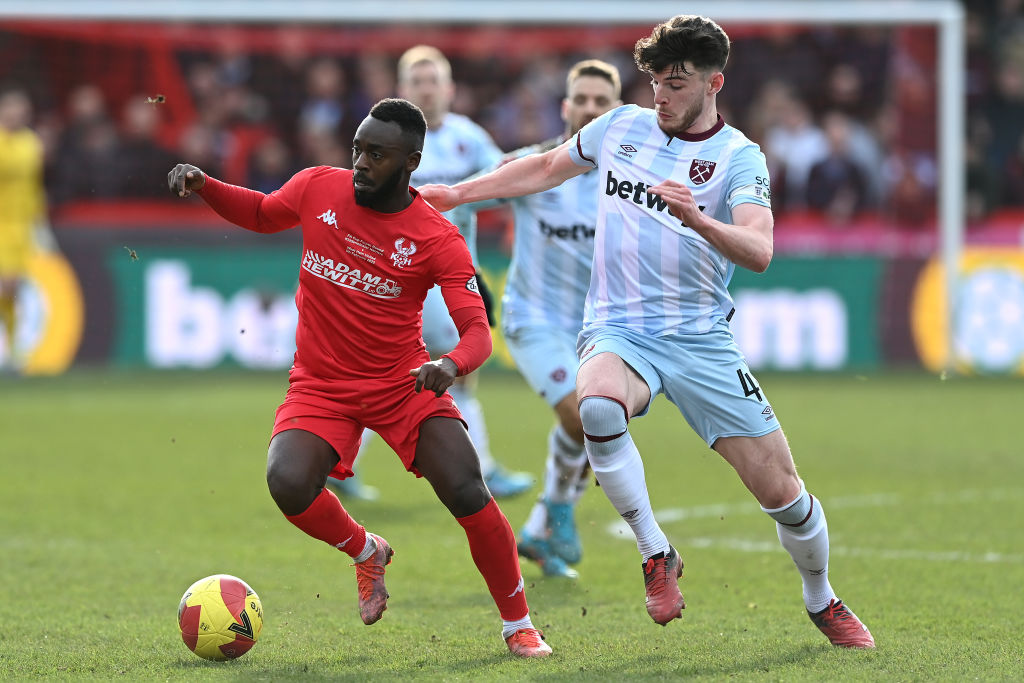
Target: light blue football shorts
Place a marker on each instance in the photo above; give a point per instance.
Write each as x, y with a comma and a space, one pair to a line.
546, 357
439, 331
704, 375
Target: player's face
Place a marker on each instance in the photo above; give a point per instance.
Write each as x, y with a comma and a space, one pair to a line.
680, 97
428, 88
588, 97
381, 163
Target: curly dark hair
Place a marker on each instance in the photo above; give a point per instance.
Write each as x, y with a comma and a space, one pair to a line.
683, 38
407, 115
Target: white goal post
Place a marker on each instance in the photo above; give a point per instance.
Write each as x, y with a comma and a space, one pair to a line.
946, 15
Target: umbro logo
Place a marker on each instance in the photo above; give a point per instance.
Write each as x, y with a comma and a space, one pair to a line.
330, 218
626, 151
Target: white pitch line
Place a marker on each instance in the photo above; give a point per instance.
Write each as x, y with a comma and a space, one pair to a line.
748, 546
620, 529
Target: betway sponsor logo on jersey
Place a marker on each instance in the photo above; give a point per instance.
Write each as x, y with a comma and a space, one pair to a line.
576, 231
345, 275
633, 191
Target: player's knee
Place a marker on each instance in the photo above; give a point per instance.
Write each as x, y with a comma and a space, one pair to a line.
604, 422
290, 489
466, 497
800, 515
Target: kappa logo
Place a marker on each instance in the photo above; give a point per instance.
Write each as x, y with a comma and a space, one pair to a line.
701, 171
402, 255
330, 218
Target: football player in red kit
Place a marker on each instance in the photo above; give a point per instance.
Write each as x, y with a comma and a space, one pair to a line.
371, 248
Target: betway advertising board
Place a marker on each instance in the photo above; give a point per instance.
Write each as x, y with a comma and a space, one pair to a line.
176, 304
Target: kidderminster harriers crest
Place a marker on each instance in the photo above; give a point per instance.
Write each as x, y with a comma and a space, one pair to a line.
403, 254
701, 171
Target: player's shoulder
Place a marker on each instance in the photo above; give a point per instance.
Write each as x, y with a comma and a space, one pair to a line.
319, 175
630, 111
462, 125
430, 223
324, 172
626, 117
537, 148
738, 143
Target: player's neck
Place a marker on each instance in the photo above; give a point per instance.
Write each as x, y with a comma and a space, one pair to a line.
705, 122
435, 122
399, 201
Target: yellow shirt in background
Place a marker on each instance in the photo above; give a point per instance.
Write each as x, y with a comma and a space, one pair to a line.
21, 197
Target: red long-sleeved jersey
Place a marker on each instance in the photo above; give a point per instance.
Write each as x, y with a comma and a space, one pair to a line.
363, 277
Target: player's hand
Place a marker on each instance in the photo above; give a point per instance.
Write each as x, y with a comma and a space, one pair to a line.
436, 376
184, 178
681, 203
441, 197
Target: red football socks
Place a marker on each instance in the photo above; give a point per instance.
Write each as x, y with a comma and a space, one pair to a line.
328, 520
493, 546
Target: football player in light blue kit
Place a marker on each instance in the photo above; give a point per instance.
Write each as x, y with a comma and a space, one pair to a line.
684, 198
542, 312
454, 148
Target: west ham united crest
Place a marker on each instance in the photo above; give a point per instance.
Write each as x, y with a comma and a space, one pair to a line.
701, 171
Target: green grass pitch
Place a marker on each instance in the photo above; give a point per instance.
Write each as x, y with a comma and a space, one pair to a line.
117, 491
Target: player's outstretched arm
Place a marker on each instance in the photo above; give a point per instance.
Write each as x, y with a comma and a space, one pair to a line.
527, 175
246, 208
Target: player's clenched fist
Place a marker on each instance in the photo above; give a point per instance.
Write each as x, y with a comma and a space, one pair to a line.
184, 178
435, 376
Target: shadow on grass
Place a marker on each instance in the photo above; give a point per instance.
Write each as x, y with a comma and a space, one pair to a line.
695, 664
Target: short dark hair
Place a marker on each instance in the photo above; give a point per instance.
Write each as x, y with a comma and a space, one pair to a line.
683, 38
407, 115
595, 67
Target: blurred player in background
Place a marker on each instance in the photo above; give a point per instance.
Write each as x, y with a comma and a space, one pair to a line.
684, 200
455, 148
22, 209
542, 312
371, 250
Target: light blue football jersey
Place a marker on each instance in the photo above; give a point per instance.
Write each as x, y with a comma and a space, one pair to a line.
549, 274
456, 150
652, 274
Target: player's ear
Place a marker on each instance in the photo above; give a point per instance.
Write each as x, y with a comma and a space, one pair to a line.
412, 162
716, 82
565, 109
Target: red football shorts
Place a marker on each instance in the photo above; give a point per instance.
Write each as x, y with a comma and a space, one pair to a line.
338, 411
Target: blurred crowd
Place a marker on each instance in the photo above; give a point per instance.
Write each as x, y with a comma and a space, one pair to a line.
846, 116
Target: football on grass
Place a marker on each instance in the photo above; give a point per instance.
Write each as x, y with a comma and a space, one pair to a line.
220, 617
